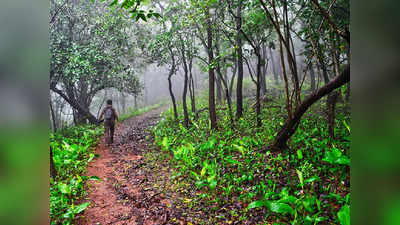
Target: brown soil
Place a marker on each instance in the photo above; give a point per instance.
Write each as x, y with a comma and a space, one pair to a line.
122, 196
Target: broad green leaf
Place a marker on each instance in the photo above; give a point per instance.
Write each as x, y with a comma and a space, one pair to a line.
64, 188
232, 161
320, 219
288, 199
312, 179
211, 178
239, 148
200, 184
203, 171
142, 16
213, 184
195, 175
165, 143
114, 3
346, 125
91, 157
335, 156
157, 15
94, 178
257, 204
280, 208
344, 215
300, 175
299, 154
308, 203
81, 207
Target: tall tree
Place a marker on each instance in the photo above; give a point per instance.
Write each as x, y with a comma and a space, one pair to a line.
211, 75
89, 56
294, 116
239, 49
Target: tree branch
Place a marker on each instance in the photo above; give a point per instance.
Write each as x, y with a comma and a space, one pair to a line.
345, 34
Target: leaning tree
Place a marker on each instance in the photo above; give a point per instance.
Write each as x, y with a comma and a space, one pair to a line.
90, 51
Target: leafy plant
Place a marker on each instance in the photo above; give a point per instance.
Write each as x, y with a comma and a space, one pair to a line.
335, 156
344, 215
72, 151
227, 164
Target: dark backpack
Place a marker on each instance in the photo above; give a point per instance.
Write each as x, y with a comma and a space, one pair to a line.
109, 114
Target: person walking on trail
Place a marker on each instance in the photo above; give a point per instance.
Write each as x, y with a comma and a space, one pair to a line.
110, 115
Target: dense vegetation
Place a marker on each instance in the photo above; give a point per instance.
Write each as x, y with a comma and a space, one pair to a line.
260, 130
72, 150
230, 168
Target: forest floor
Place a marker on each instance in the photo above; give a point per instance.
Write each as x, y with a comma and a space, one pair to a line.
142, 184
126, 193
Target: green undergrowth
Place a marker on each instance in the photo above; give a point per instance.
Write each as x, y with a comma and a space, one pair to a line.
236, 178
73, 149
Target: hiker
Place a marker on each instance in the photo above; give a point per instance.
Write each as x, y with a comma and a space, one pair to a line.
110, 115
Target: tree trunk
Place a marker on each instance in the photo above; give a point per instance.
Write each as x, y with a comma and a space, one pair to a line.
191, 87
78, 108
291, 55
219, 89
171, 73
185, 110
332, 98
53, 171
312, 77
258, 100
232, 81
185, 85
225, 78
171, 93
79, 117
321, 61
53, 117
224, 82
211, 76
239, 88
290, 126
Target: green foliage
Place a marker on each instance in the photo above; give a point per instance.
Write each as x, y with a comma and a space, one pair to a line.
294, 185
344, 215
72, 151
274, 206
133, 7
335, 156
90, 48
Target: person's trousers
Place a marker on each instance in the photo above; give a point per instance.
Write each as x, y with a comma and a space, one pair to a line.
109, 127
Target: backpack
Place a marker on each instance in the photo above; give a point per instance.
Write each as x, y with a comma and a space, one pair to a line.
109, 113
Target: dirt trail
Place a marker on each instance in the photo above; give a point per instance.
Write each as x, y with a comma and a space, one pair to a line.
122, 196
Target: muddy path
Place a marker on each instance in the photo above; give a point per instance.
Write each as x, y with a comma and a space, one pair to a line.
125, 194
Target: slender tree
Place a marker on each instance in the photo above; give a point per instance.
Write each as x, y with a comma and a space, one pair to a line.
211, 75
